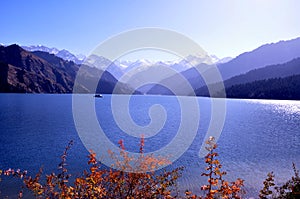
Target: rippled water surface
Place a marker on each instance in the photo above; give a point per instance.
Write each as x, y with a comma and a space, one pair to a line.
259, 136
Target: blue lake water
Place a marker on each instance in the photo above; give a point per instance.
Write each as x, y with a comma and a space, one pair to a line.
259, 136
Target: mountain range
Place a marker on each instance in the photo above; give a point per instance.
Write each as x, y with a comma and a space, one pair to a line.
277, 72
22, 71
40, 69
64, 54
119, 68
271, 61
268, 54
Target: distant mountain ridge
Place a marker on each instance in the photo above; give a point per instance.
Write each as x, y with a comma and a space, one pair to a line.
218, 60
240, 86
64, 54
272, 71
119, 68
268, 54
42, 70
22, 71
240, 69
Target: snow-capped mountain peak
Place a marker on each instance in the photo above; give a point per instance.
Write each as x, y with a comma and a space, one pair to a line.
218, 60
120, 67
41, 48
64, 54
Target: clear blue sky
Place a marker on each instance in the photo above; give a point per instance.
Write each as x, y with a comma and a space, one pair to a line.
221, 27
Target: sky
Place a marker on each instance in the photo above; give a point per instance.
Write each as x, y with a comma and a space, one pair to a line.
221, 27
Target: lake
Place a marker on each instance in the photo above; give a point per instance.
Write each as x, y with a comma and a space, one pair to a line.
259, 136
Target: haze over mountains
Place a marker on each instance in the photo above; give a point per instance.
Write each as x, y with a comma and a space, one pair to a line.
119, 68
40, 69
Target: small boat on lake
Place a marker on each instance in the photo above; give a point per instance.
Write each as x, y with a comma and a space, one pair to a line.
98, 95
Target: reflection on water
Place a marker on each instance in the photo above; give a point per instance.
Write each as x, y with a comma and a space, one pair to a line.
279, 106
259, 136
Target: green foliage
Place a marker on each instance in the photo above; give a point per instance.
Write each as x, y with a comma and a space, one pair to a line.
275, 88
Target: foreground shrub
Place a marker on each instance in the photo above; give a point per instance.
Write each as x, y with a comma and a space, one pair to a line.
217, 186
139, 183
106, 183
289, 190
142, 181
